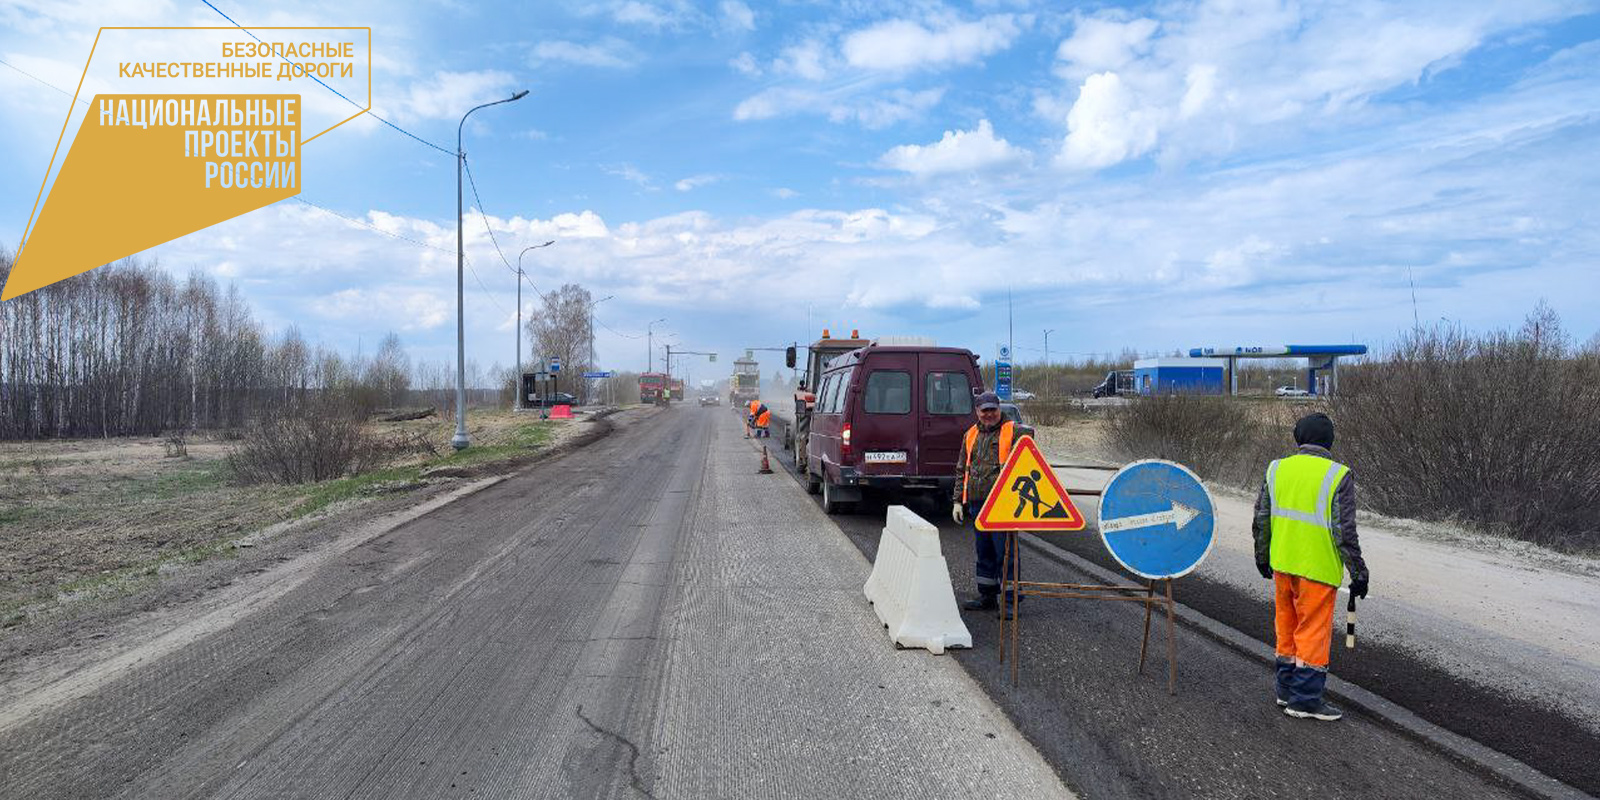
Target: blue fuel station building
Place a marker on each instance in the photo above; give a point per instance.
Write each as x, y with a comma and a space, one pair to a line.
1178, 375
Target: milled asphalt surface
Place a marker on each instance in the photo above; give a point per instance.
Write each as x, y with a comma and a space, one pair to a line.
643, 618
1497, 650
1113, 733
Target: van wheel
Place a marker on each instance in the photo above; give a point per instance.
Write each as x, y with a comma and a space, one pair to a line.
813, 481
830, 502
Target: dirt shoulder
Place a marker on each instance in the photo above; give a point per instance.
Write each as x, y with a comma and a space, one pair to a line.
96, 530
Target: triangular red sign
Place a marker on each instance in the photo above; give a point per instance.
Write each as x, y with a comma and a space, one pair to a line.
1028, 497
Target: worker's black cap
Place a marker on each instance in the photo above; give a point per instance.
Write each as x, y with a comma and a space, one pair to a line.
1314, 429
988, 400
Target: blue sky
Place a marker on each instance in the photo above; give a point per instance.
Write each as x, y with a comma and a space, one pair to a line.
1150, 175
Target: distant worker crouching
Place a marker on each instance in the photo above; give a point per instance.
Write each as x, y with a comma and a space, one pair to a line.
750, 417
984, 451
1305, 536
763, 419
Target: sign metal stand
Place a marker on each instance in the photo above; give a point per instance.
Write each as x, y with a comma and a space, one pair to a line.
1156, 519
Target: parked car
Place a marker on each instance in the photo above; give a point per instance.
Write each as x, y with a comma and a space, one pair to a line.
553, 399
1011, 413
1290, 391
1021, 394
889, 417
708, 400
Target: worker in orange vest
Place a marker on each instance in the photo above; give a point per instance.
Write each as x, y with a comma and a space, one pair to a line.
983, 454
763, 419
750, 417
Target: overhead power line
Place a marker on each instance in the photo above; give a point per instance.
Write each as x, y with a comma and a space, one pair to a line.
41, 81
486, 225
330, 88
617, 332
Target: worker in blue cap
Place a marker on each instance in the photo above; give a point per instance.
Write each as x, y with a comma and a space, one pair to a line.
983, 454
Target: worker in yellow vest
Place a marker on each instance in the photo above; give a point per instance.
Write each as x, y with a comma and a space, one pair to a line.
1305, 535
983, 454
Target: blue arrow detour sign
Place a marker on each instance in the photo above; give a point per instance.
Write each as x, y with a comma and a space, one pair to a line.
1157, 519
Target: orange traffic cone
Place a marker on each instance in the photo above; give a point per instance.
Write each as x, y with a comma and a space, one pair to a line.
766, 468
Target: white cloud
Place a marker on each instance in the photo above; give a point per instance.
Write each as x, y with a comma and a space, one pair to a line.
784, 193
746, 63
958, 151
630, 173
634, 12
737, 16
871, 112
1200, 85
1097, 45
881, 112
411, 309
1213, 75
447, 95
1107, 125
609, 52
804, 60
903, 45
695, 181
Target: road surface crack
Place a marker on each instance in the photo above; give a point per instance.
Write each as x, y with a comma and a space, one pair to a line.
635, 778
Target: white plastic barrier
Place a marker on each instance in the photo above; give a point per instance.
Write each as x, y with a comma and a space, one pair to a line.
910, 586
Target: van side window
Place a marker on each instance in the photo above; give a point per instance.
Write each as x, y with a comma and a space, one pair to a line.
841, 382
830, 401
888, 392
824, 392
948, 393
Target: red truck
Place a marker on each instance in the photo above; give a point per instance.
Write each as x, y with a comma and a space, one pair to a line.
651, 386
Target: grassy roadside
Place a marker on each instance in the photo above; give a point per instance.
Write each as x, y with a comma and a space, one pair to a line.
88, 519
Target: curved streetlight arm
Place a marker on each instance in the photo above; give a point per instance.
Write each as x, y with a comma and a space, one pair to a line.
517, 96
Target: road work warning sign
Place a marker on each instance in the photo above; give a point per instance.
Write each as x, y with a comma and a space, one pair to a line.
1028, 497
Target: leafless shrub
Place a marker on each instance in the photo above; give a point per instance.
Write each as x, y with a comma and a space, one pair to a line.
308, 442
176, 446
1495, 430
406, 443
1049, 413
1217, 437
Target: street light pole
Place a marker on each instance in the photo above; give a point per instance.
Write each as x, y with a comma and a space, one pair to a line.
460, 441
590, 311
1047, 333
650, 346
519, 316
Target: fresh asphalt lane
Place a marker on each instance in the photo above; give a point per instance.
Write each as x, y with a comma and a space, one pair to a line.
1115, 734
645, 617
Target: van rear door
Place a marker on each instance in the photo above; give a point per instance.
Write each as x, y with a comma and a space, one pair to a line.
884, 419
945, 382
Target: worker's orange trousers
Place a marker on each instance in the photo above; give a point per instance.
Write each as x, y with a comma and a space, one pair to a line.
1304, 618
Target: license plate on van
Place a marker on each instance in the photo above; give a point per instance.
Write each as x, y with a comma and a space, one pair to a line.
886, 457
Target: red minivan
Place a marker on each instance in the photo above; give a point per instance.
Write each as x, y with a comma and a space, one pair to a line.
889, 417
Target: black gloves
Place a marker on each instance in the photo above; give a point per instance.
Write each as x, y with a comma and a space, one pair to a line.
1265, 569
1358, 587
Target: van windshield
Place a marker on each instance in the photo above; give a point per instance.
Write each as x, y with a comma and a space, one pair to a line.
948, 393
888, 392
